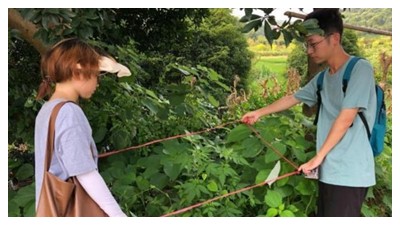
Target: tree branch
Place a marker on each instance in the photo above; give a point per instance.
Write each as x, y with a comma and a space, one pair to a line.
353, 27
27, 30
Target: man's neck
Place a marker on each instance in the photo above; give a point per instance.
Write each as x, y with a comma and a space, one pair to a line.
337, 61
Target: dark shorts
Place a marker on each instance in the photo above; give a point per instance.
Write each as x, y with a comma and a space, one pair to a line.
334, 200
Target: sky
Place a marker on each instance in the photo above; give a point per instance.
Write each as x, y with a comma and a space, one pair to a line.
195, 4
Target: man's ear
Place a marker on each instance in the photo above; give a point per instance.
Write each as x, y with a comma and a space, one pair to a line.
336, 38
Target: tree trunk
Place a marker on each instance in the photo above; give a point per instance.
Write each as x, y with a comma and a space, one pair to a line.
27, 30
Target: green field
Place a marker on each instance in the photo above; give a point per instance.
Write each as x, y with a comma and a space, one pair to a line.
272, 64
266, 68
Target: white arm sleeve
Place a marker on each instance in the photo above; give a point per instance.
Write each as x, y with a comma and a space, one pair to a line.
95, 186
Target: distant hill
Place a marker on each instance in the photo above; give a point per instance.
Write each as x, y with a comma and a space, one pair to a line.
373, 18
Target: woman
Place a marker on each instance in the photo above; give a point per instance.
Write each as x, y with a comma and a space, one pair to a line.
73, 66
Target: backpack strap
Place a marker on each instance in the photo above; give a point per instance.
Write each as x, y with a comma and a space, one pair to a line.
364, 120
346, 78
320, 81
347, 72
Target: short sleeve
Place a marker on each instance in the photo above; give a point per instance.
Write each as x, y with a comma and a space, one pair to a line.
308, 93
74, 141
361, 84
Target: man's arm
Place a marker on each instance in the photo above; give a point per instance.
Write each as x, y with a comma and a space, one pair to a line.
336, 133
277, 106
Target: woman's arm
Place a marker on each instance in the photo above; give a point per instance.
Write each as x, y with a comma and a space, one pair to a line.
95, 186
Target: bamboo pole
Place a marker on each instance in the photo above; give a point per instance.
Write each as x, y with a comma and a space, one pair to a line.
353, 27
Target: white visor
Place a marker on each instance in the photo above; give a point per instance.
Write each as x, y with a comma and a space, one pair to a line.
109, 65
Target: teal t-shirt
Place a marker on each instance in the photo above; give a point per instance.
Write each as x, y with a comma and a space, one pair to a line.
351, 161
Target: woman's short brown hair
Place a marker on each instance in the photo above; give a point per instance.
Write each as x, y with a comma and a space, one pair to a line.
68, 58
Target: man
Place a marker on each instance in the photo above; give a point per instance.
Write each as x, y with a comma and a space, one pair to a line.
344, 156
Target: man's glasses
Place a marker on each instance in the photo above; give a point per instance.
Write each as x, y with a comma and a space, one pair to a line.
314, 45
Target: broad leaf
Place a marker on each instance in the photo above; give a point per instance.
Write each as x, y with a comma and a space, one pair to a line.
274, 173
271, 155
25, 171
251, 147
120, 138
287, 213
252, 24
262, 175
287, 37
273, 199
268, 33
272, 212
305, 187
172, 170
238, 133
159, 180
212, 186
213, 101
99, 134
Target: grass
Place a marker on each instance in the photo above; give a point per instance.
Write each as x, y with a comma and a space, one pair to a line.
273, 64
264, 67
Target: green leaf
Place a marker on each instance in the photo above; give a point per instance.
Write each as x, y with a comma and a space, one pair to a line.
214, 76
268, 33
238, 133
13, 209
312, 27
305, 187
267, 11
366, 211
272, 212
276, 33
151, 105
159, 180
99, 134
142, 183
293, 208
287, 36
183, 71
30, 209
163, 113
25, 171
287, 213
176, 99
150, 93
248, 12
273, 199
25, 195
172, 147
271, 155
120, 138
272, 21
172, 170
212, 186
281, 207
252, 146
213, 101
285, 191
252, 24
262, 175
224, 86
244, 19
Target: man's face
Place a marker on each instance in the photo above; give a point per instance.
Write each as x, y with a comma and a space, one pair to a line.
318, 47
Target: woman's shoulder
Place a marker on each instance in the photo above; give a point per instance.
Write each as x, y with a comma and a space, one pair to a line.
69, 114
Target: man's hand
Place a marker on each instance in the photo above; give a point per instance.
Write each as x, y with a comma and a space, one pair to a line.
250, 117
312, 164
